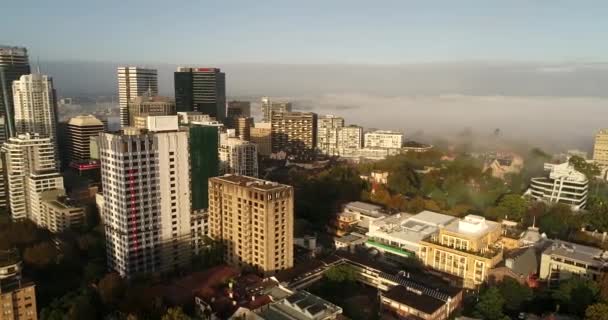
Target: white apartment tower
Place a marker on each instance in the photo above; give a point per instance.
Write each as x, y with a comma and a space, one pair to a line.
384, 139
237, 156
146, 191
31, 168
350, 139
35, 105
328, 128
134, 82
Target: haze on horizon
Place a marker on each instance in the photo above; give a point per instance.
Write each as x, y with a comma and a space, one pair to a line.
536, 70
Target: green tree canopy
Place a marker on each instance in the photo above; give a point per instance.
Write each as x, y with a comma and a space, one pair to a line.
515, 294
589, 169
598, 311
490, 305
576, 294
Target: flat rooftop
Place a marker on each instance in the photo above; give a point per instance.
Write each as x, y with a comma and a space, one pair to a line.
366, 208
410, 228
472, 225
578, 252
414, 299
245, 181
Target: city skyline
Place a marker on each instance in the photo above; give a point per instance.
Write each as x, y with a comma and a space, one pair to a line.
358, 32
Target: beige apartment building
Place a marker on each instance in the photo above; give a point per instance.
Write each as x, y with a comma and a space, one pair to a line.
294, 133
600, 148
466, 248
17, 296
254, 220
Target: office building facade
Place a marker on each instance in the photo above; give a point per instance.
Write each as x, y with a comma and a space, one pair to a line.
14, 63
269, 107
563, 185
600, 148
254, 220
147, 200
384, 139
201, 89
350, 139
35, 105
294, 133
134, 82
204, 162
147, 105
260, 134
80, 129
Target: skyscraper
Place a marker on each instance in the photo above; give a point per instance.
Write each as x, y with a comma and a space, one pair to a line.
134, 82
600, 148
31, 168
237, 156
294, 133
243, 127
14, 63
238, 109
147, 203
35, 105
268, 107
254, 220
80, 129
201, 89
327, 134
204, 162
147, 105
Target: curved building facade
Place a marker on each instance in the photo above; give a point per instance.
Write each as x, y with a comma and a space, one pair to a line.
564, 185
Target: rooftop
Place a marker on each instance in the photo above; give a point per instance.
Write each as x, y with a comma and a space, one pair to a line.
365, 208
414, 299
9, 257
578, 252
245, 181
88, 120
472, 225
300, 306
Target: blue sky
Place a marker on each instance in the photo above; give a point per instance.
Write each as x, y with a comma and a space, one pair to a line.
302, 32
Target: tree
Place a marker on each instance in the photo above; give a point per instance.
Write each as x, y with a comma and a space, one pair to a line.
175, 314
82, 308
514, 205
40, 255
341, 273
111, 287
598, 311
490, 305
514, 294
576, 294
558, 222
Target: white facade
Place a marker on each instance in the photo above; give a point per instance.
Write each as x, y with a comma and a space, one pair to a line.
327, 134
187, 117
384, 139
35, 105
31, 168
147, 205
564, 185
134, 82
237, 156
350, 139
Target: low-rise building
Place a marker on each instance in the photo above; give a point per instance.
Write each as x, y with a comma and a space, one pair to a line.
350, 241
411, 303
561, 260
364, 213
301, 305
503, 164
466, 248
60, 212
398, 236
376, 176
413, 146
563, 185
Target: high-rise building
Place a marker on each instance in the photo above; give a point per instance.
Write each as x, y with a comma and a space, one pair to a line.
134, 82
201, 89
243, 127
350, 139
384, 139
237, 156
147, 200
14, 63
254, 220
147, 105
31, 168
80, 129
18, 296
204, 162
600, 148
35, 105
261, 136
328, 128
269, 107
238, 109
294, 133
